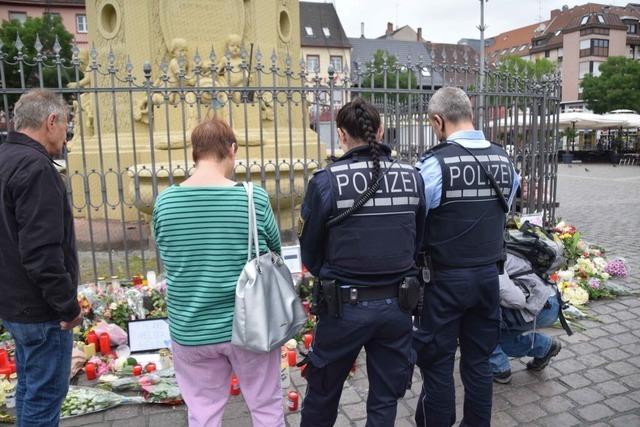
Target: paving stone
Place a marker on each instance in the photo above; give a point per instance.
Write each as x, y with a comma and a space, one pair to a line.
557, 404
583, 348
614, 354
594, 412
139, 421
568, 366
499, 403
560, 420
596, 333
356, 411
585, 396
80, 421
592, 360
521, 396
626, 421
622, 368
575, 380
502, 419
622, 403
548, 388
632, 381
527, 413
598, 375
169, 419
123, 412
605, 343
610, 388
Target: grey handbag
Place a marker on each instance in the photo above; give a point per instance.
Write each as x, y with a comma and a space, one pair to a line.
268, 311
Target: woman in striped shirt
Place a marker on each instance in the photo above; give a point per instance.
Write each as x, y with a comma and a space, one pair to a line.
201, 230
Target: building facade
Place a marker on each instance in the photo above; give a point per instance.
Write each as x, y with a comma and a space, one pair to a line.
72, 13
323, 42
578, 39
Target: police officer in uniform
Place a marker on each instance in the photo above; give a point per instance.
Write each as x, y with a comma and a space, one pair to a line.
363, 250
464, 251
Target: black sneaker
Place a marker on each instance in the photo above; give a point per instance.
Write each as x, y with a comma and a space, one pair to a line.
538, 364
502, 377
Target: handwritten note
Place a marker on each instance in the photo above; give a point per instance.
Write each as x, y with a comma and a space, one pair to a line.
149, 335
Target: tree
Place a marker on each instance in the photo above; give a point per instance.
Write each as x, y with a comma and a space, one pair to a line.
397, 77
45, 29
617, 86
517, 66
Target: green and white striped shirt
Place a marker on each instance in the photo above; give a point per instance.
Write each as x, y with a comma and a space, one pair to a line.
201, 233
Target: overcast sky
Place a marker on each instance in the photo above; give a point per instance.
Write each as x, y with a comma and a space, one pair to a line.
446, 21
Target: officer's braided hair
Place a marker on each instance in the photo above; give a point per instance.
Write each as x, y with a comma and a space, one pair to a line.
362, 121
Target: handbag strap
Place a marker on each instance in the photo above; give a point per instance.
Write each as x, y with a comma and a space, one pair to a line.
253, 223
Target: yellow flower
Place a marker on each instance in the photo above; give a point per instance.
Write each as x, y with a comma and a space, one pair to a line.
575, 295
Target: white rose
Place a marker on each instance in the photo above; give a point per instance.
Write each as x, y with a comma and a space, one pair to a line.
565, 275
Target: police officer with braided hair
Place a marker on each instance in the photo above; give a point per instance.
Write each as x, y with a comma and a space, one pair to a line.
470, 184
360, 230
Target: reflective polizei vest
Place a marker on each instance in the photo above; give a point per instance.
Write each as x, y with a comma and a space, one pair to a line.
467, 228
380, 237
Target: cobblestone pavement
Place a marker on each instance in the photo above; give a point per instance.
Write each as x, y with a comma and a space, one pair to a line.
594, 381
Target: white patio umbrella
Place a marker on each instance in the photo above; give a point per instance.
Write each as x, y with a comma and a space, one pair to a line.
589, 121
631, 118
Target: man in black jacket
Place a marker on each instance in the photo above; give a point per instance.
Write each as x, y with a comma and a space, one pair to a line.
38, 258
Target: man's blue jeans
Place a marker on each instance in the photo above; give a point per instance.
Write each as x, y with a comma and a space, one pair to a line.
43, 356
519, 343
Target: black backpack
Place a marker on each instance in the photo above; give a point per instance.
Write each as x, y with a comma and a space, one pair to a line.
535, 244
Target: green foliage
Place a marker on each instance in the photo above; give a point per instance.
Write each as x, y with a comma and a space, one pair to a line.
517, 66
617, 86
395, 79
46, 28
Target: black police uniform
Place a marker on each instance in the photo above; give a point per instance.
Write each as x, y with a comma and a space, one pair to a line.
368, 255
464, 238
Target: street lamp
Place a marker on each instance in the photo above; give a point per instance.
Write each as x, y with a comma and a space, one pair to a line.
481, 27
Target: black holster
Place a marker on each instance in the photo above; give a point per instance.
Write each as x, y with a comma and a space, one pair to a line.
409, 294
318, 304
332, 297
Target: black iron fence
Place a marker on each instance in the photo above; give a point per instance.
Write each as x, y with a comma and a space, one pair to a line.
132, 123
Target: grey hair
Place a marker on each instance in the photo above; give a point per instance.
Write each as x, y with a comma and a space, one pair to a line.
34, 106
452, 104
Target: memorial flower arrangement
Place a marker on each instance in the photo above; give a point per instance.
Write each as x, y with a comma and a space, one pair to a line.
587, 273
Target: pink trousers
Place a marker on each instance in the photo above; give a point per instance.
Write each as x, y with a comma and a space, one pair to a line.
204, 375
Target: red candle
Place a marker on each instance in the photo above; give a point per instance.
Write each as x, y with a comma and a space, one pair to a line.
150, 367
293, 401
105, 343
90, 370
235, 386
4, 358
306, 305
137, 370
292, 357
92, 338
307, 340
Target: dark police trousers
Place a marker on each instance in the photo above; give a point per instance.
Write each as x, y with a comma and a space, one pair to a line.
461, 304
385, 332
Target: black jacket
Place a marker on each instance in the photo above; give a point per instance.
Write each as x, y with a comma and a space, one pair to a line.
38, 258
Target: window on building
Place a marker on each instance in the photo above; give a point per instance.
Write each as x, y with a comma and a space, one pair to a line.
308, 31
523, 47
600, 19
583, 69
584, 20
18, 16
599, 47
513, 49
589, 67
547, 54
594, 30
557, 33
504, 51
326, 32
594, 68
632, 28
313, 63
336, 63
81, 24
540, 42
